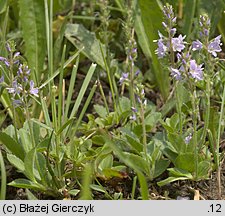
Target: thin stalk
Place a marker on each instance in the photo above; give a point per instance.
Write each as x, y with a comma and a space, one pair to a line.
60, 101
178, 107
195, 139
131, 87
29, 123
109, 78
172, 60
55, 125
142, 115
13, 107
207, 113
103, 96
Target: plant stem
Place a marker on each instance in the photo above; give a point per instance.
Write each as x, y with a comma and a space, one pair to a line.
143, 130
29, 123
207, 114
103, 96
178, 107
13, 108
195, 139
172, 60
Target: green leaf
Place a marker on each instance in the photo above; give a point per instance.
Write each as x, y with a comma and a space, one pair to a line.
177, 142
30, 195
3, 6
152, 119
29, 164
139, 161
143, 185
25, 139
32, 18
176, 172
124, 104
64, 126
204, 169
134, 143
80, 37
15, 161
12, 145
24, 183
186, 162
98, 140
133, 161
151, 17
107, 162
43, 145
169, 180
44, 174
98, 188
100, 110
110, 173
74, 192
160, 166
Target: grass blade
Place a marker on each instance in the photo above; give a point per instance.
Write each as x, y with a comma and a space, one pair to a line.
83, 90
85, 107
3, 177
58, 71
60, 101
71, 87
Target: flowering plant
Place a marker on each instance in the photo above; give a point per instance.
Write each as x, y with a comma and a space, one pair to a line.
192, 67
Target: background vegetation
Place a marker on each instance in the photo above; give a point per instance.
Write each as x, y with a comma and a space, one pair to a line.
95, 132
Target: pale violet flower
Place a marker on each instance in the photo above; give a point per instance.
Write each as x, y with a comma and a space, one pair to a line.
33, 91
195, 70
173, 31
188, 138
23, 72
196, 45
175, 73
214, 46
17, 102
134, 109
178, 43
123, 78
162, 49
15, 89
